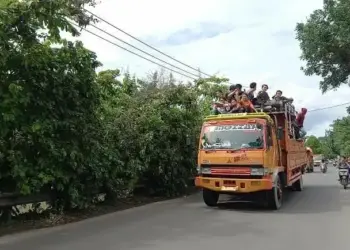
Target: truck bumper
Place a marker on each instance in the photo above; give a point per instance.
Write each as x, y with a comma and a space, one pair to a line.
234, 185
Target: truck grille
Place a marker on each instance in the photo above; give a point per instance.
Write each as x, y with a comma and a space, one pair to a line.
231, 171
255, 177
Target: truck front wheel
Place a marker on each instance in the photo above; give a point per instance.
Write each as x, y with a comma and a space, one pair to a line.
210, 198
274, 196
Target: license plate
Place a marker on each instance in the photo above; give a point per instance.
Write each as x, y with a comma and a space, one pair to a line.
343, 177
229, 188
228, 183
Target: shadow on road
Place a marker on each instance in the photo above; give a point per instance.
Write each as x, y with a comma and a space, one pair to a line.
313, 199
316, 199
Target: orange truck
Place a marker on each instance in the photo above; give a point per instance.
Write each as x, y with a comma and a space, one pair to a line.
310, 160
254, 155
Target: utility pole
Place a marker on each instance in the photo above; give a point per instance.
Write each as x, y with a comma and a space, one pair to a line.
199, 73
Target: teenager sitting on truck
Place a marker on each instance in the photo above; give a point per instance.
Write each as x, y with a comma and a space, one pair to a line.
231, 92
235, 107
221, 107
279, 97
220, 104
250, 92
278, 100
263, 96
236, 93
246, 104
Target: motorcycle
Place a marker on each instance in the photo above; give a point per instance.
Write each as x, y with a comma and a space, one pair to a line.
323, 168
344, 176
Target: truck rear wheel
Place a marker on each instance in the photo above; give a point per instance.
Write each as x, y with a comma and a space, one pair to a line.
210, 198
275, 196
299, 184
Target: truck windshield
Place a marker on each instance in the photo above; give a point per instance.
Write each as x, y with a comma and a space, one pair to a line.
232, 136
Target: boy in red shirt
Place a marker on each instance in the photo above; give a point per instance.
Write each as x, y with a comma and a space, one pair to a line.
299, 132
301, 117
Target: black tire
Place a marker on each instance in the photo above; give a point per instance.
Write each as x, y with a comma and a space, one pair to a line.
299, 185
275, 196
344, 183
210, 198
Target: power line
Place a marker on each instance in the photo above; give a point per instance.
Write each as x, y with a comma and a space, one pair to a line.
149, 46
329, 107
121, 47
121, 40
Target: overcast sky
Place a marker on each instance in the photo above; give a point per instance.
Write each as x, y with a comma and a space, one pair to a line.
247, 41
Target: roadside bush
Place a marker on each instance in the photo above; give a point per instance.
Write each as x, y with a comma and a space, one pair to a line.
65, 126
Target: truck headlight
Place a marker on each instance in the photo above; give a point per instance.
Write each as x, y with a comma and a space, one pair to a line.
257, 171
205, 170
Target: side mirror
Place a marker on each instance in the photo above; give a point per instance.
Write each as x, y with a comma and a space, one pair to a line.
279, 133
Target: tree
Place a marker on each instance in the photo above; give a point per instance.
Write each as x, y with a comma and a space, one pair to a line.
209, 89
62, 124
313, 142
49, 130
328, 145
325, 43
341, 128
337, 140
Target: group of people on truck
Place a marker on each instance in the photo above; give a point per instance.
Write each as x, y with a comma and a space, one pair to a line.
237, 100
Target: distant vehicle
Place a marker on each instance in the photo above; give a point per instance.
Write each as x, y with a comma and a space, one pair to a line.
318, 160
324, 167
344, 176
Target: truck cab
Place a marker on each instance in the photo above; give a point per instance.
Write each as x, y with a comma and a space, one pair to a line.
252, 155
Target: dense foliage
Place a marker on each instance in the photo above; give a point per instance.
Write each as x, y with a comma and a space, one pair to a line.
336, 141
325, 43
63, 124
314, 143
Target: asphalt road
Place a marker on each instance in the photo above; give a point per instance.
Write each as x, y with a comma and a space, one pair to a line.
317, 218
